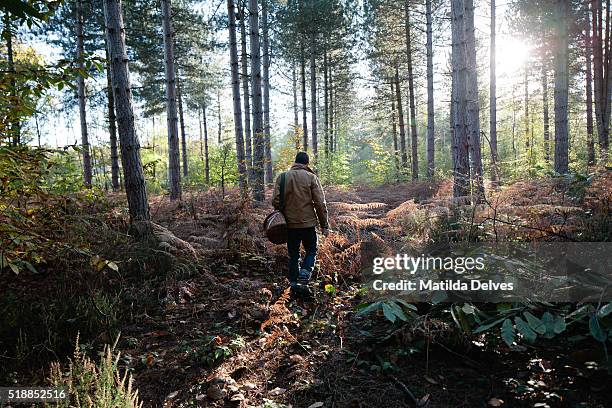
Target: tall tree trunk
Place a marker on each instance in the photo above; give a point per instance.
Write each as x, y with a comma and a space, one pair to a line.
589, 94
259, 151
201, 135
430, 93
87, 176
182, 126
526, 101
336, 115
296, 122
473, 109
313, 95
326, 103
236, 97
607, 89
413, 121
174, 165
332, 100
304, 108
245, 90
219, 125
206, 157
135, 186
400, 114
598, 90
8, 35
461, 169
266, 92
561, 87
545, 109
396, 154
514, 123
493, 98
451, 119
112, 127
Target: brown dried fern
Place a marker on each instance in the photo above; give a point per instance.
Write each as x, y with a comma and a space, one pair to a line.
279, 313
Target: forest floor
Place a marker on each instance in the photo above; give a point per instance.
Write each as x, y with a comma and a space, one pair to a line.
236, 338
220, 329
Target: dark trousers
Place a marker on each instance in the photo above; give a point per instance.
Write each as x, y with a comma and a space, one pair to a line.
295, 237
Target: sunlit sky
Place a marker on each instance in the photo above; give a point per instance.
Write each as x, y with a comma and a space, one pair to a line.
512, 55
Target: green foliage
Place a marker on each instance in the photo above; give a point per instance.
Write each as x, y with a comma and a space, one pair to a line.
392, 309
210, 350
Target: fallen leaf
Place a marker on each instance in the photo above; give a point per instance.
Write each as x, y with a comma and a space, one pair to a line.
316, 405
296, 358
248, 386
277, 391
237, 397
172, 395
150, 360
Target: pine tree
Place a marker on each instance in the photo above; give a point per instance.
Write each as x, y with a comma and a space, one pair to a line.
233, 46
174, 171
87, 176
259, 148
561, 87
134, 180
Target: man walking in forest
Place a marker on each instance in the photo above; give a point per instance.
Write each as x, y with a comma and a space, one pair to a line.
304, 208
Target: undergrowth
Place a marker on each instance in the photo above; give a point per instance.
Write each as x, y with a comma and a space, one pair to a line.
93, 384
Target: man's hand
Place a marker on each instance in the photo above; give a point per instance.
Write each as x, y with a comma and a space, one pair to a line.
325, 231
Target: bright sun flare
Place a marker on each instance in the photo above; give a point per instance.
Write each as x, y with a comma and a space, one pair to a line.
512, 54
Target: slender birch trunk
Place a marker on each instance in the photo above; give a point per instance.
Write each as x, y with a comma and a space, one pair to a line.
135, 186
174, 165
87, 175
